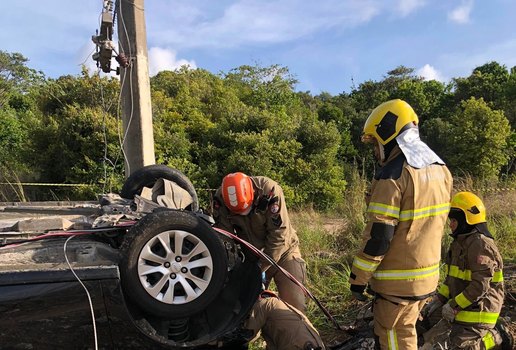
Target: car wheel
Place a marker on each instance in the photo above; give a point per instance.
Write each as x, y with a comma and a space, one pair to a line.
147, 177
173, 264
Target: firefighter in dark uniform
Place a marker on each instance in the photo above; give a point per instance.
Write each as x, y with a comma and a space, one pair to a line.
472, 294
407, 210
254, 208
283, 327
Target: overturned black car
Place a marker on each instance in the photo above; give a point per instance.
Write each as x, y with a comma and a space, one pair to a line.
145, 276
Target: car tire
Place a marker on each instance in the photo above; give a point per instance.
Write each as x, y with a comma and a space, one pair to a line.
147, 177
168, 281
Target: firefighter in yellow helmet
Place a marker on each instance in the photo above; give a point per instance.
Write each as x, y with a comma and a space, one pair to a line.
407, 210
254, 208
471, 296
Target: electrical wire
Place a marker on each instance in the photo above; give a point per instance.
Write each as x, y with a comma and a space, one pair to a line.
131, 93
54, 234
261, 254
121, 139
86, 290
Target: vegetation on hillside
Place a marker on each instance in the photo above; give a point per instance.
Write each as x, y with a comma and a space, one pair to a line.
251, 119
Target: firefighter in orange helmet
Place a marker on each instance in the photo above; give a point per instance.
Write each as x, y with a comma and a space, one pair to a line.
407, 210
254, 208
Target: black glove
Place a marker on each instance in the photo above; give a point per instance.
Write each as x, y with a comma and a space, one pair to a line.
357, 291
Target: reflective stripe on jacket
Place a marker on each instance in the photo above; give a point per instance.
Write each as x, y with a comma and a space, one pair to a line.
407, 212
474, 279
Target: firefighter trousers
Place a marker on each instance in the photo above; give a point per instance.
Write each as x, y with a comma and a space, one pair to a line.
288, 291
395, 322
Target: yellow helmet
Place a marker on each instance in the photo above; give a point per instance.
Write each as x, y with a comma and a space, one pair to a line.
471, 205
387, 121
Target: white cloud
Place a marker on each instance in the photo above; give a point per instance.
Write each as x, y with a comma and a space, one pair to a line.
461, 14
164, 59
406, 7
250, 22
428, 72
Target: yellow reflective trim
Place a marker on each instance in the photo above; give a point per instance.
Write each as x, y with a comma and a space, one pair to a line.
465, 275
454, 271
383, 209
498, 276
407, 274
433, 210
392, 340
444, 291
489, 341
477, 317
462, 301
365, 265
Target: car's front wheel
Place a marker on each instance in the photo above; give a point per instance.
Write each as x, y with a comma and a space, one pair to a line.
173, 264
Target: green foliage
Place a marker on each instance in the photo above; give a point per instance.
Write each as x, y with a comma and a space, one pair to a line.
263, 87
476, 139
487, 82
78, 115
78, 149
15, 77
249, 119
12, 135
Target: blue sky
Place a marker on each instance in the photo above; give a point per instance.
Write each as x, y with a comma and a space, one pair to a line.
327, 44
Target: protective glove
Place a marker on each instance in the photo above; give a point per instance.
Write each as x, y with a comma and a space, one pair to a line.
449, 312
357, 291
431, 306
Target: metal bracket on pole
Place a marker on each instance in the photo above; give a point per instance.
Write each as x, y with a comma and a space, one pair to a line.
104, 41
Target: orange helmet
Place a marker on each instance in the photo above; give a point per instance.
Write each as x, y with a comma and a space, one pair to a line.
238, 193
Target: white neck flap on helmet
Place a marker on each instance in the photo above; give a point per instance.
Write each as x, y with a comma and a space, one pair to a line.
418, 154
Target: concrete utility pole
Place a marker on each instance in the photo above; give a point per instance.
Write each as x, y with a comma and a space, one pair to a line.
138, 134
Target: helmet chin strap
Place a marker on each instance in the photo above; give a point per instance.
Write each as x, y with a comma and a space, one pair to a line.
379, 152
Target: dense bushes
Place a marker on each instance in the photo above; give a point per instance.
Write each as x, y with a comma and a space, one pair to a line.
251, 119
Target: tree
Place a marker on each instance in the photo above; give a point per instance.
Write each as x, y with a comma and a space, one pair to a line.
15, 76
12, 140
79, 115
487, 82
477, 140
263, 87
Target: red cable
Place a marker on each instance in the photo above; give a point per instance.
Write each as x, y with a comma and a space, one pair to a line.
261, 254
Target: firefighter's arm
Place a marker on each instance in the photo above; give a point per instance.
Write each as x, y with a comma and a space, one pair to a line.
383, 214
483, 265
220, 214
277, 226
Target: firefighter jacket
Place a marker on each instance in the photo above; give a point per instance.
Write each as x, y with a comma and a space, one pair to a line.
474, 279
401, 247
267, 226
